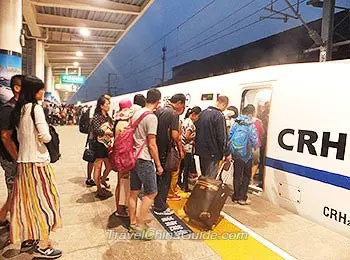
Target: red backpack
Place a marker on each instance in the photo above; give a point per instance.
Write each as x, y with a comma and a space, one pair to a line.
122, 156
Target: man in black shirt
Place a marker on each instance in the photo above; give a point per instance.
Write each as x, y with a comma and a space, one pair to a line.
167, 132
9, 144
211, 137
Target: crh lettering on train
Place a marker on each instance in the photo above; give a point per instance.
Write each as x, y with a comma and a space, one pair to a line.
307, 138
337, 215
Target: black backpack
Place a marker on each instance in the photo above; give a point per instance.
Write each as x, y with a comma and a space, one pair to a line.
54, 145
84, 123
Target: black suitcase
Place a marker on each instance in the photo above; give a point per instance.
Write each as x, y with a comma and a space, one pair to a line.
206, 201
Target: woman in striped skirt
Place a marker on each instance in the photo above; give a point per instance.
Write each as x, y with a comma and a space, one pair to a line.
35, 210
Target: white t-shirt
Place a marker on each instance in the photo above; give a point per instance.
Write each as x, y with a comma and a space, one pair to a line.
147, 126
187, 125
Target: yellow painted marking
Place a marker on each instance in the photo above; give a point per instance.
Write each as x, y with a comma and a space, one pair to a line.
248, 248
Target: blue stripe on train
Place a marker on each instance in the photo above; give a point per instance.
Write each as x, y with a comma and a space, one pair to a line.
310, 173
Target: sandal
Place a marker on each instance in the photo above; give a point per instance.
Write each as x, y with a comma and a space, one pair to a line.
103, 195
104, 183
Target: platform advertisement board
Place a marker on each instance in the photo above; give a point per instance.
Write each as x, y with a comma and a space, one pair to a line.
10, 65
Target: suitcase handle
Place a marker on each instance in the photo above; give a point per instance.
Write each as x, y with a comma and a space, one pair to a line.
207, 185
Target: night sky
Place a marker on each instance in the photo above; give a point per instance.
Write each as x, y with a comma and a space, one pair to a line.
190, 29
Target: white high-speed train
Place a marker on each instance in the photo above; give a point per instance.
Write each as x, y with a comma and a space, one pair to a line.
307, 167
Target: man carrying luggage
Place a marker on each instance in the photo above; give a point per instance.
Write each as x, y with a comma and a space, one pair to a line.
242, 140
211, 138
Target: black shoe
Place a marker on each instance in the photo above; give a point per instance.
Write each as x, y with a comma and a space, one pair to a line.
47, 253
4, 223
90, 182
29, 246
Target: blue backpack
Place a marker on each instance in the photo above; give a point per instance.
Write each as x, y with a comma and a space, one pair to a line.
238, 142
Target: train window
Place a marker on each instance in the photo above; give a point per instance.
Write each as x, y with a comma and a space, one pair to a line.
207, 97
261, 99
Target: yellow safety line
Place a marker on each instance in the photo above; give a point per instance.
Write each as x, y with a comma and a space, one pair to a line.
243, 247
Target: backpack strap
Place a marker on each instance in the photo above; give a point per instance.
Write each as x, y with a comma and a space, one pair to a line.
134, 125
138, 121
33, 115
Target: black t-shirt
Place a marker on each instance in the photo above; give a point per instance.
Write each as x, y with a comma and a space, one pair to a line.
5, 124
168, 120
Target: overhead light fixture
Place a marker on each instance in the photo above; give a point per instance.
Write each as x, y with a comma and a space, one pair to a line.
76, 64
315, 3
319, 4
85, 32
79, 54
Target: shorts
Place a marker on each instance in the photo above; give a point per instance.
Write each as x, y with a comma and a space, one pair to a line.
256, 156
144, 174
10, 169
99, 149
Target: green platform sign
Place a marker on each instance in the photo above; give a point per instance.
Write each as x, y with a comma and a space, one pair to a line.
72, 79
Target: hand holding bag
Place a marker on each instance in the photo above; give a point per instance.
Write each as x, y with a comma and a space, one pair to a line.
173, 159
226, 174
89, 154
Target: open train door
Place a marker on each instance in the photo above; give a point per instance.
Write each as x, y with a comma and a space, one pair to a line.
259, 95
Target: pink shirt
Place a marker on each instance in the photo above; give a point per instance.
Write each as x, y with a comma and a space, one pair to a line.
259, 130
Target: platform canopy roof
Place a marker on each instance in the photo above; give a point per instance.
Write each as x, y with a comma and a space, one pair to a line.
80, 33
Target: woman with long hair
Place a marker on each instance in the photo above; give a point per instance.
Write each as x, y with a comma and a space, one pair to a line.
188, 135
35, 209
101, 139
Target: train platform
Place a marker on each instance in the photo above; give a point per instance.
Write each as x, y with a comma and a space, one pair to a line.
92, 231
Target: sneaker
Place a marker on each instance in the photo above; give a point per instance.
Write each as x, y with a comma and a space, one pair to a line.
29, 246
47, 253
174, 197
166, 212
244, 202
5, 223
234, 200
90, 182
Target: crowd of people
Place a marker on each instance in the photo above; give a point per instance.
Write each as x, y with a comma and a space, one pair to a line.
163, 148
63, 114
215, 134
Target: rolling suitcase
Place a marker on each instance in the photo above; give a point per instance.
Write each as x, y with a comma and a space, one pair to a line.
206, 201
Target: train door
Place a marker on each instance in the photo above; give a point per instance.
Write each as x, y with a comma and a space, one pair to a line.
260, 97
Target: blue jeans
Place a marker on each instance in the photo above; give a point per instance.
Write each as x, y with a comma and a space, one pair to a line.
144, 174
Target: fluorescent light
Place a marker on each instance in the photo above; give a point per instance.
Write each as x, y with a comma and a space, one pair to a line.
79, 54
76, 64
84, 32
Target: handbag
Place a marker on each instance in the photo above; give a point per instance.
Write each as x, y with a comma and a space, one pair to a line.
226, 174
89, 154
173, 159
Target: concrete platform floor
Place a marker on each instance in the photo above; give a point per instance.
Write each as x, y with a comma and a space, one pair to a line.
88, 222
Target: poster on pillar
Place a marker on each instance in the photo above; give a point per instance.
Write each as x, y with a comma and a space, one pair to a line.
10, 65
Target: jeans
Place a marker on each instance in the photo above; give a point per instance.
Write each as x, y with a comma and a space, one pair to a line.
184, 171
241, 180
209, 167
163, 183
143, 174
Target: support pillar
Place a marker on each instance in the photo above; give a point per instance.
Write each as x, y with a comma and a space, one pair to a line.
327, 30
10, 47
48, 80
39, 60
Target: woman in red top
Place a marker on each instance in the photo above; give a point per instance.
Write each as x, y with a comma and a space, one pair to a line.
256, 152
